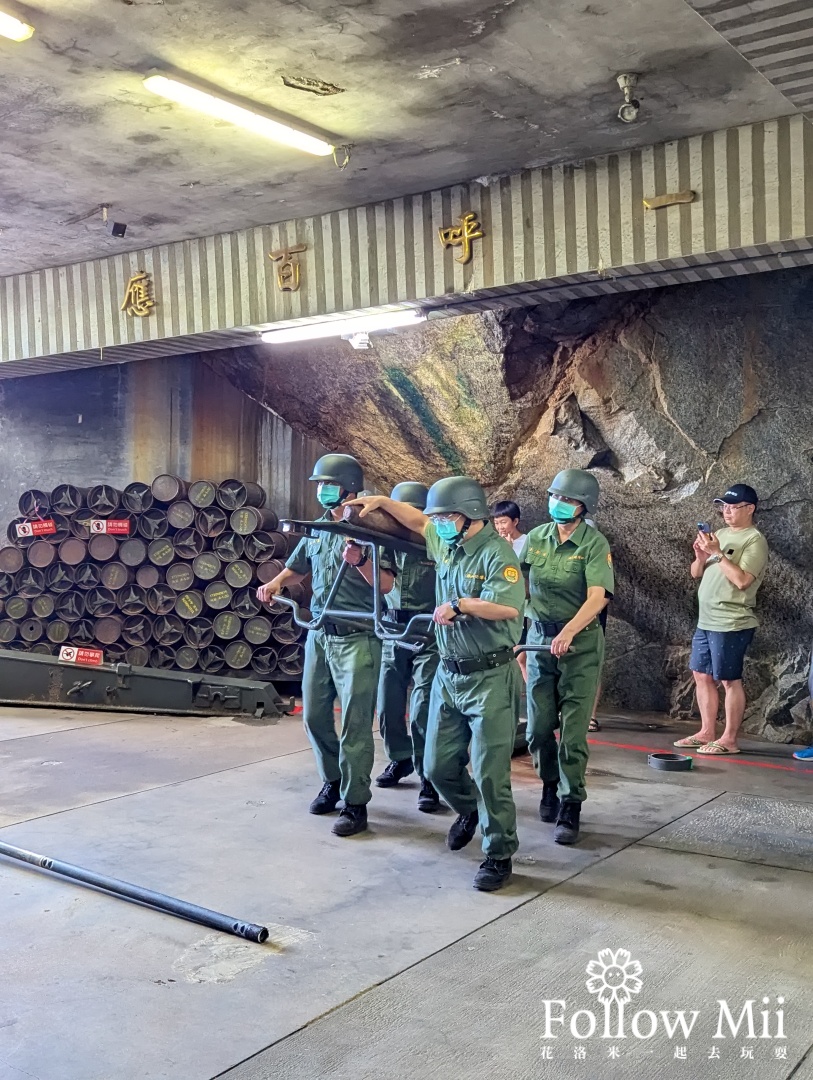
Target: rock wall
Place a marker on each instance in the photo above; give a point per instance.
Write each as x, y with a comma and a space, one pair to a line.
669, 397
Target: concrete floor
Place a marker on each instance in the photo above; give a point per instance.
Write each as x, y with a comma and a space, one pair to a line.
383, 961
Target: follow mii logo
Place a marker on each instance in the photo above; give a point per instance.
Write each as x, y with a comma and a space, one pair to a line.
615, 979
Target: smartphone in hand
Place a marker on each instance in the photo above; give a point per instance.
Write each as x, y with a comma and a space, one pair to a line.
704, 527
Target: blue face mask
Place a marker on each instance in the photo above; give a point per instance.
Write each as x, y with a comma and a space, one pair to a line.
447, 531
561, 512
329, 495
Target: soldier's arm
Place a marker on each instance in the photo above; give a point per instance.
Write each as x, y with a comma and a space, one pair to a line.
486, 609
408, 516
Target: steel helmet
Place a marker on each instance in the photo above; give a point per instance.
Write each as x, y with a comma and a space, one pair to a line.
577, 484
339, 469
458, 495
412, 493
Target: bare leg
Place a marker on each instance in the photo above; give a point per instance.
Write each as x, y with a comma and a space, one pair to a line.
708, 700
734, 712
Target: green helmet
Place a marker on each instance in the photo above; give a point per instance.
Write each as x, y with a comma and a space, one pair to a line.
412, 493
577, 484
457, 495
339, 469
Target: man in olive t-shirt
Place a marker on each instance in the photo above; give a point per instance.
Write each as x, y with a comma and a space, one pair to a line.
730, 564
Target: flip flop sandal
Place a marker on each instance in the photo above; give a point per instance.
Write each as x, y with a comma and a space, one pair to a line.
594, 725
690, 744
716, 749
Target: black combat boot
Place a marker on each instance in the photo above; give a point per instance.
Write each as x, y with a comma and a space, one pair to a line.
428, 800
327, 800
549, 803
395, 771
352, 820
567, 823
462, 831
493, 874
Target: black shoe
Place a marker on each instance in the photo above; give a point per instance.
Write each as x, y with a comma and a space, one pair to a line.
462, 831
395, 771
567, 823
352, 820
493, 874
327, 800
428, 800
549, 803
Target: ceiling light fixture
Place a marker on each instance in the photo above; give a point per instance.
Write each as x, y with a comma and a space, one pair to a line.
185, 94
14, 28
628, 113
361, 325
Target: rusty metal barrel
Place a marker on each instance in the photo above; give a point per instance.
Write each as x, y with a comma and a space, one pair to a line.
186, 658
239, 574
63, 529
264, 660
68, 606
153, 523
297, 593
261, 546
251, 519
43, 648
232, 494
67, 499
189, 604
268, 570
59, 578
82, 632
161, 552
189, 544
57, 631
167, 629
30, 582
227, 625
211, 659
180, 576
211, 521
137, 656
12, 559
115, 575
207, 566
35, 504
43, 606
181, 514
202, 493
161, 599
17, 608
133, 552
40, 554
100, 602
199, 633
103, 499
102, 547
31, 629
137, 498
162, 656
108, 629
229, 546
115, 653
88, 576
290, 660
137, 629
132, 600
284, 629
168, 489
80, 523
8, 631
257, 631
11, 533
217, 595
246, 604
238, 655
147, 575
73, 551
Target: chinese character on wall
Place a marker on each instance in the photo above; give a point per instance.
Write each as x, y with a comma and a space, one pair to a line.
288, 272
462, 235
138, 298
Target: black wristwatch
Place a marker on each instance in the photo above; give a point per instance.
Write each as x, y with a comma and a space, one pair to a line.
455, 605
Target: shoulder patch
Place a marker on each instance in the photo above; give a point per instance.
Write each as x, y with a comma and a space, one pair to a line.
609, 559
510, 573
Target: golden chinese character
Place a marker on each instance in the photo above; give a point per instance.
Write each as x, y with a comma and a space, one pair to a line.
288, 269
138, 299
462, 235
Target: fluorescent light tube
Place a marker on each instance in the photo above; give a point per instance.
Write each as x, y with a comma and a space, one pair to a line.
363, 324
222, 109
14, 29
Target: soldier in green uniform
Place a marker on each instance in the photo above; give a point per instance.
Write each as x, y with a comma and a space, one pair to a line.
571, 580
412, 594
474, 705
341, 661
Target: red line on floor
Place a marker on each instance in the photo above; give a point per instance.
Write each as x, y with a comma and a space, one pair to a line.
735, 758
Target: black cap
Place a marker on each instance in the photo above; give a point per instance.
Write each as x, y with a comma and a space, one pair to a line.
739, 493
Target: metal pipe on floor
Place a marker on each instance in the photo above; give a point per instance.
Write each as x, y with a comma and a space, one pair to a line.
213, 919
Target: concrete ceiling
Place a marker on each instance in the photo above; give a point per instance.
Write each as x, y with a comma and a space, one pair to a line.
433, 93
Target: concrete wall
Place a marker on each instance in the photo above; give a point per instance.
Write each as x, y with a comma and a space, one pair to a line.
133, 421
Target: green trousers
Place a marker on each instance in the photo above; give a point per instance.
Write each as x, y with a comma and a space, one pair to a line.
399, 667
345, 668
474, 717
561, 693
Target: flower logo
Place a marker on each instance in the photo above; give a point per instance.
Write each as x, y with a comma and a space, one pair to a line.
614, 977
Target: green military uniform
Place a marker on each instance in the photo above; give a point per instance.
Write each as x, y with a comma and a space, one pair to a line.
481, 706
561, 691
340, 662
412, 594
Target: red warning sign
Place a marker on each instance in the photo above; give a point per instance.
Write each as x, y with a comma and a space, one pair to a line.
112, 528
73, 654
36, 528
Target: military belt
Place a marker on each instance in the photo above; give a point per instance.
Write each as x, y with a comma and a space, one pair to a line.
403, 615
549, 629
467, 665
333, 629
